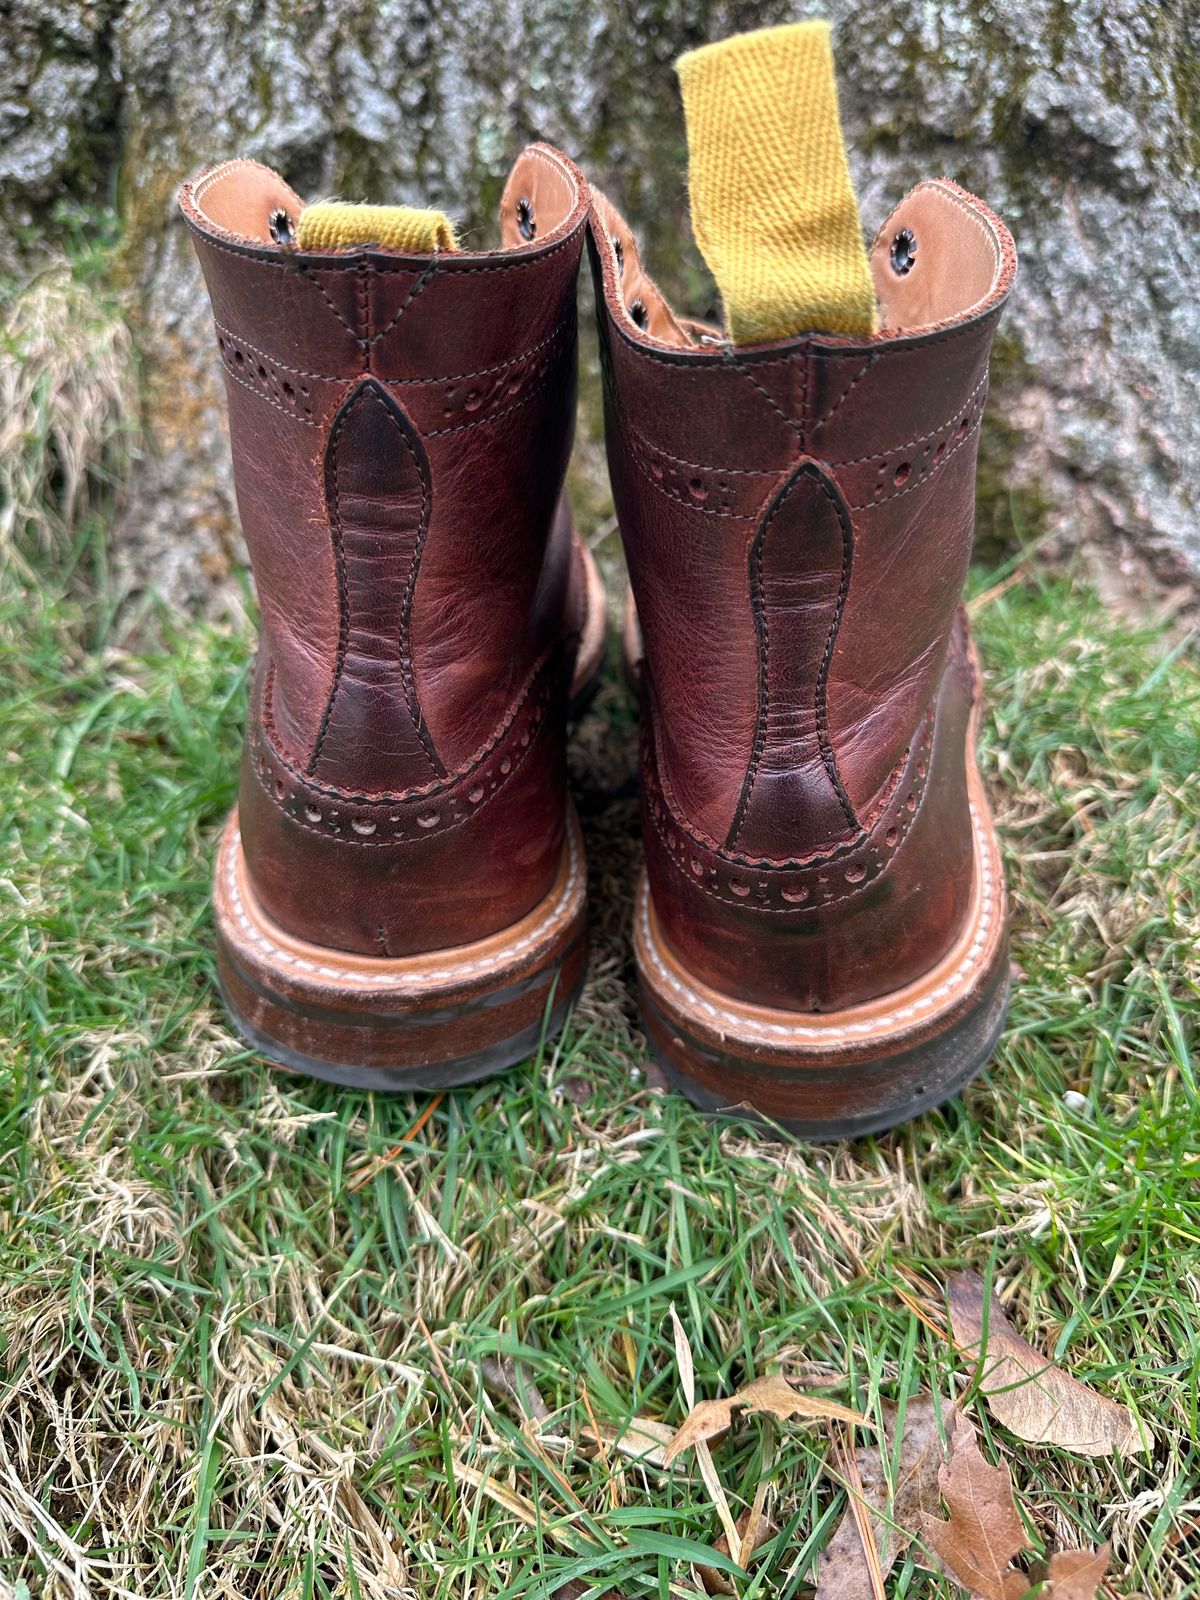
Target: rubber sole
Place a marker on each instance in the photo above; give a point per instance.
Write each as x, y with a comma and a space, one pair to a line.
840, 1074
431, 1021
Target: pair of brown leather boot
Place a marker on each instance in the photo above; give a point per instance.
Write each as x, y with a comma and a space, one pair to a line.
400, 894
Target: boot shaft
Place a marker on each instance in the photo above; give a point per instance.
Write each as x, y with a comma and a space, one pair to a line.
400, 421
798, 519
400, 426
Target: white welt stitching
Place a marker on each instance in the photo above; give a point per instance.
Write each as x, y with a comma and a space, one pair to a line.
562, 909
746, 1024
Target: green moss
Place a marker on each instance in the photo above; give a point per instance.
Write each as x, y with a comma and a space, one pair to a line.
1010, 511
1184, 74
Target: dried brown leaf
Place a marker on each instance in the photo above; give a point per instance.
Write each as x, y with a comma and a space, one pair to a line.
643, 1439
776, 1395
773, 1395
1076, 1574
1032, 1397
983, 1533
845, 1572
717, 1582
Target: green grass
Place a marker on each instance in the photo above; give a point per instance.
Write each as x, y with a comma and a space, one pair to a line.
227, 1370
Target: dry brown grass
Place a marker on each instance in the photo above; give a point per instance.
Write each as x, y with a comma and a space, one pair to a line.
68, 406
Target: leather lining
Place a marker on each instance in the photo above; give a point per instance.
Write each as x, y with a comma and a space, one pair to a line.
235, 201
965, 261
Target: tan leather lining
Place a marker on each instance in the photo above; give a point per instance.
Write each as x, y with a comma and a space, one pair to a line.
237, 199
959, 263
638, 289
956, 264
540, 189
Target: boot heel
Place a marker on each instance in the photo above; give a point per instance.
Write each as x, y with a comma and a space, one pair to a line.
841, 1074
418, 1022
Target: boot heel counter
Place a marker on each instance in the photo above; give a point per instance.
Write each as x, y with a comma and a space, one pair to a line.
397, 873
826, 929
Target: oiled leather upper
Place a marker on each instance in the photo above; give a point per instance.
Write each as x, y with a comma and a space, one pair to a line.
400, 428
797, 520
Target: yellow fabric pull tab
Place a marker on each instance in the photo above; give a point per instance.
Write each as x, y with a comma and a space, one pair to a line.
337, 225
773, 207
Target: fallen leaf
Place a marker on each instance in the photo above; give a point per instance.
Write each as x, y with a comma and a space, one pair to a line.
717, 1582
707, 1420
776, 1395
643, 1439
1032, 1397
1076, 1574
844, 1572
773, 1395
983, 1533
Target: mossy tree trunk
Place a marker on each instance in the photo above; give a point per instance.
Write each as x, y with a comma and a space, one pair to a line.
1079, 122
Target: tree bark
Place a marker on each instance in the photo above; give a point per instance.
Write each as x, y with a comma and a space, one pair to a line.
1079, 123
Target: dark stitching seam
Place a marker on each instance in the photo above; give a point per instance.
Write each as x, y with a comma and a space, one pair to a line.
677, 498
846, 393
639, 441
758, 611
310, 276
520, 756
846, 524
426, 791
822, 905
410, 692
339, 562
406, 666
805, 383
364, 315
895, 450
425, 278
447, 377
300, 372
307, 422
492, 416
556, 332
700, 466
768, 472
928, 477
766, 394
817, 858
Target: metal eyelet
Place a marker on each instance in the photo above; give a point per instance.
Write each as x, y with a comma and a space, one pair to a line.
637, 310
904, 250
618, 251
281, 227
526, 226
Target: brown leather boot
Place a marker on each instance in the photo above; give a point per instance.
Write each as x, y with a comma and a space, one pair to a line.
821, 929
400, 892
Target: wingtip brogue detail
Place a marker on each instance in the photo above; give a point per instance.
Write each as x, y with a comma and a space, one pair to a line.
400, 891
